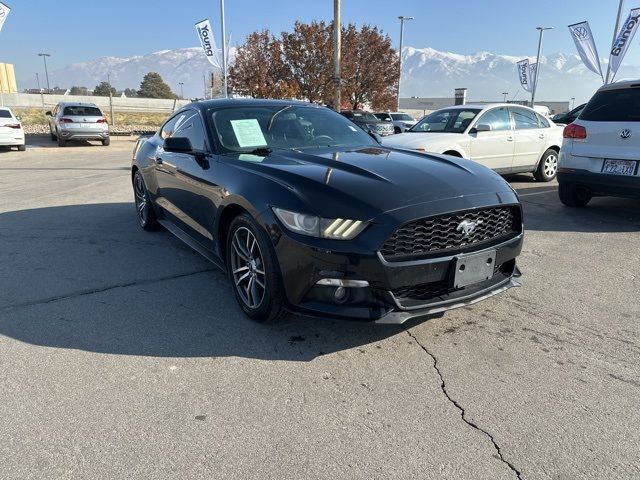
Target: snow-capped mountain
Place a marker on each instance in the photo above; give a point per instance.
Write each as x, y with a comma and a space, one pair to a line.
426, 73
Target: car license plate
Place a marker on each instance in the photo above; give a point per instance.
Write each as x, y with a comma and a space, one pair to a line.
473, 268
620, 167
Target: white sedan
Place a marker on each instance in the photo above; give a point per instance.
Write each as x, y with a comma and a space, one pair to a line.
504, 137
11, 132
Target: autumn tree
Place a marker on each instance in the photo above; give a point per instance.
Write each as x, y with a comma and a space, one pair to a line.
307, 54
259, 70
152, 86
370, 68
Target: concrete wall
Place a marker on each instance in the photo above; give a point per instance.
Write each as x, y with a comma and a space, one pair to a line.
29, 100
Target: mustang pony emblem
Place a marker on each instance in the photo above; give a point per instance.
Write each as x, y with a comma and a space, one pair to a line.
468, 226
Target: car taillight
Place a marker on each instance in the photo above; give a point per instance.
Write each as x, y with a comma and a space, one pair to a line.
574, 131
101, 120
14, 125
65, 120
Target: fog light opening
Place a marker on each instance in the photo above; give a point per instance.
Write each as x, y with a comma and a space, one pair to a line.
340, 295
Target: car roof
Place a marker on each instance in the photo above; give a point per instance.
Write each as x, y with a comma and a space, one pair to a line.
620, 84
246, 102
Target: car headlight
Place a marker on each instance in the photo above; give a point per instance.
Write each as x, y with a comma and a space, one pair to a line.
333, 228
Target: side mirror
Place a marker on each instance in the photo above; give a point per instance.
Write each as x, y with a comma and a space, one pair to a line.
178, 145
18, 118
483, 127
48, 112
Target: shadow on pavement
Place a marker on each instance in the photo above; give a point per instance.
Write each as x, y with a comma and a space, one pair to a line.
87, 277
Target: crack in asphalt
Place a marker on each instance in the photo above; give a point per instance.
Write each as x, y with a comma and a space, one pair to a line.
92, 291
473, 425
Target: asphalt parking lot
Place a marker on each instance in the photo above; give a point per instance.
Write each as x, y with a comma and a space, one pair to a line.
123, 353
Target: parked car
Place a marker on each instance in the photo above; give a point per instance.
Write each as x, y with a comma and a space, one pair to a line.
506, 138
542, 110
78, 121
11, 131
307, 213
568, 117
601, 149
401, 121
369, 122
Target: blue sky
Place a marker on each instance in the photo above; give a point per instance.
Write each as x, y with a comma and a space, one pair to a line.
78, 31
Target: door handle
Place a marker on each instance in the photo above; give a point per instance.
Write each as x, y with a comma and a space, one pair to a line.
158, 160
509, 139
541, 135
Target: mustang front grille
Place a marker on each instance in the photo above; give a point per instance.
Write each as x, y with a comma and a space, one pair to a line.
450, 232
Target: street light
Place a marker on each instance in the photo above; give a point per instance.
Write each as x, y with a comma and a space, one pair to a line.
535, 81
181, 90
573, 102
44, 58
504, 95
402, 19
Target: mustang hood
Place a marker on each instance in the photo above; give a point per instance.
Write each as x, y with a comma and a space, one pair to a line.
363, 183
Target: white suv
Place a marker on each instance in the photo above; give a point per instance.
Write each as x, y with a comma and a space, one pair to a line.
601, 150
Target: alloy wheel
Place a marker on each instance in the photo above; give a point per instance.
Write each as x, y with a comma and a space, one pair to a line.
551, 165
141, 199
247, 267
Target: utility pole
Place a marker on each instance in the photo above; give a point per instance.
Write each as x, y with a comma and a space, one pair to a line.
535, 80
402, 19
224, 50
46, 72
38, 81
615, 34
337, 45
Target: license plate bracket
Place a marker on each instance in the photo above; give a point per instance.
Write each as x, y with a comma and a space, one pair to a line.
473, 268
626, 168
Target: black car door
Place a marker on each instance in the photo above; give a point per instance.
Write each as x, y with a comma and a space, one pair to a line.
181, 177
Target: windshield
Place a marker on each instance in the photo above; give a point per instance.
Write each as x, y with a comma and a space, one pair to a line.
364, 117
402, 116
245, 129
449, 121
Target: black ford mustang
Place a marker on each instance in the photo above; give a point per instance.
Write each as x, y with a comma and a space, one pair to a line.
308, 213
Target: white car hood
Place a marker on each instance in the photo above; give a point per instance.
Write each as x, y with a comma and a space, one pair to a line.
425, 140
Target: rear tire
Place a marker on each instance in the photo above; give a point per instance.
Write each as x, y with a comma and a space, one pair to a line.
146, 215
62, 142
22, 148
106, 142
548, 167
574, 195
254, 271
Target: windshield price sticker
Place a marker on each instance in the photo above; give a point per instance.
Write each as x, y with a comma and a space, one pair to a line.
248, 133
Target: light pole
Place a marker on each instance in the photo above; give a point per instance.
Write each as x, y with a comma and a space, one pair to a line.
337, 42
38, 81
224, 49
46, 72
402, 19
504, 97
181, 90
573, 102
535, 80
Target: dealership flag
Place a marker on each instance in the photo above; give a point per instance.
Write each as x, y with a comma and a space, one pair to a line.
208, 42
533, 68
524, 74
623, 40
586, 46
4, 13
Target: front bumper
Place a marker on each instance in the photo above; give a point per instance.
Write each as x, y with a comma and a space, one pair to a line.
383, 299
600, 183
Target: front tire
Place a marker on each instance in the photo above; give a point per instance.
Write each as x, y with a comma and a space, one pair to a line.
146, 215
574, 196
253, 270
548, 166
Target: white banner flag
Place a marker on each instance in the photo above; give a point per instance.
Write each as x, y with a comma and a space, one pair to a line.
583, 38
4, 13
524, 74
533, 70
208, 42
623, 40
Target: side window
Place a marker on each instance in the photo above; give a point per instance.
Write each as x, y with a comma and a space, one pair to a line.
167, 129
498, 118
543, 122
524, 119
191, 127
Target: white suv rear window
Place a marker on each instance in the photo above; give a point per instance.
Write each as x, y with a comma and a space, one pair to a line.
622, 105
